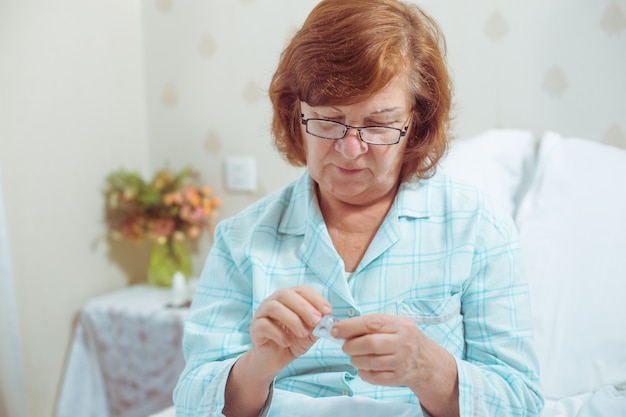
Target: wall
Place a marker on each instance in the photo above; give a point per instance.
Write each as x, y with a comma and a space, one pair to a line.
76, 102
208, 65
538, 65
71, 110
530, 65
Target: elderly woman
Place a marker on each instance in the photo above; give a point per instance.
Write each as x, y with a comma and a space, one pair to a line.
422, 274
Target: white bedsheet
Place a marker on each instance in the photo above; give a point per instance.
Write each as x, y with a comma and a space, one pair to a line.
567, 407
606, 402
298, 405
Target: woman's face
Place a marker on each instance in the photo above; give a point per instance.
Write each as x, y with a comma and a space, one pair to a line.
348, 169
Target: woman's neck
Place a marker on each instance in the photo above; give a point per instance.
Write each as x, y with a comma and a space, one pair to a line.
352, 218
353, 227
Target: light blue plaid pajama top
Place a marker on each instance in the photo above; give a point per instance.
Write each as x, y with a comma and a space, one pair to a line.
444, 256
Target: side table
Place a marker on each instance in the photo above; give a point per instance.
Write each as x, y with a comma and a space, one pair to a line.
125, 357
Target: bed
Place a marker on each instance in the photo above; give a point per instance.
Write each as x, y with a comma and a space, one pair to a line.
568, 198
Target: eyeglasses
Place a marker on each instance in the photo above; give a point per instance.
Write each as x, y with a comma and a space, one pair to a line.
374, 135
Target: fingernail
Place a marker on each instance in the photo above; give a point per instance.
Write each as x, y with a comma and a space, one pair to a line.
315, 318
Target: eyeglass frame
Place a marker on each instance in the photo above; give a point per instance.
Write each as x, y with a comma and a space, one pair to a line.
402, 132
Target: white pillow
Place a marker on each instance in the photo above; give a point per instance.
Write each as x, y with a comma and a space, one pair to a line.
572, 225
498, 161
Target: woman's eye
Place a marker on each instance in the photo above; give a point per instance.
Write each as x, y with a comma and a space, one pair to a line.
382, 124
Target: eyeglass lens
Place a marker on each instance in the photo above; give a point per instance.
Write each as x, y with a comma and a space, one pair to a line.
333, 130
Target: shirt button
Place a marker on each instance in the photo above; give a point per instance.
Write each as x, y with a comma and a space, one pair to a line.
351, 312
345, 392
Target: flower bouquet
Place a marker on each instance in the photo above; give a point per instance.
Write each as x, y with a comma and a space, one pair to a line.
168, 211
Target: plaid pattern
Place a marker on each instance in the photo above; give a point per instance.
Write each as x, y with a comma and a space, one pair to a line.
444, 256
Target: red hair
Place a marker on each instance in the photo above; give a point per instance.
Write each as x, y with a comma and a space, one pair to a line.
348, 50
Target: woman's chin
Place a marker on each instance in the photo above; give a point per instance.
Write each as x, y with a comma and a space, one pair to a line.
350, 194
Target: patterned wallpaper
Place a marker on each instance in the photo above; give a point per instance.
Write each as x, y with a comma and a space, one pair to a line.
535, 65
538, 65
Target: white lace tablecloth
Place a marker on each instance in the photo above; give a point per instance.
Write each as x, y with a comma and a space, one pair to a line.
125, 357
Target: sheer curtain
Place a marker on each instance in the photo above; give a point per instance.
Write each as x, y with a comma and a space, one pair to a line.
12, 391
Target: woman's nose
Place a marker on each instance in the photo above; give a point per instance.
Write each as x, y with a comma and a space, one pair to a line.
351, 146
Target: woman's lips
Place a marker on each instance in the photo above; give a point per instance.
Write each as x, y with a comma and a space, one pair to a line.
349, 171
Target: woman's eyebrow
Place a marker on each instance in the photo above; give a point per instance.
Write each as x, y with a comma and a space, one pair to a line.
375, 112
388, 110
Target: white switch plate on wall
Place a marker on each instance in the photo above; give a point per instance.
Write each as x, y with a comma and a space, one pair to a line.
240, 173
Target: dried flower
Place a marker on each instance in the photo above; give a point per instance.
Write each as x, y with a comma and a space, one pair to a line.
169, 206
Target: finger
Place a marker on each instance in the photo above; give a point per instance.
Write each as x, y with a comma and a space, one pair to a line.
265, 329
368, 324
301, 301
371, 344
307, 303
282, 312
385, 378
378, 363
318, 301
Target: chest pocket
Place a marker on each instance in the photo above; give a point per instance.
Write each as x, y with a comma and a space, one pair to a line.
439, 318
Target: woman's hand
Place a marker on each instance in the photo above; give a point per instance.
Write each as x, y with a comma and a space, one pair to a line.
280, 331
392, 351
281, 328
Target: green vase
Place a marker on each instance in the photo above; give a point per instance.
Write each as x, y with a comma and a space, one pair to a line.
165, 260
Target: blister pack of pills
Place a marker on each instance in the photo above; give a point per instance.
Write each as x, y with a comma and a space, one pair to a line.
322, 330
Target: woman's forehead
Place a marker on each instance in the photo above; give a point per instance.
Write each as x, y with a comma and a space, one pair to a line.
392, 99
